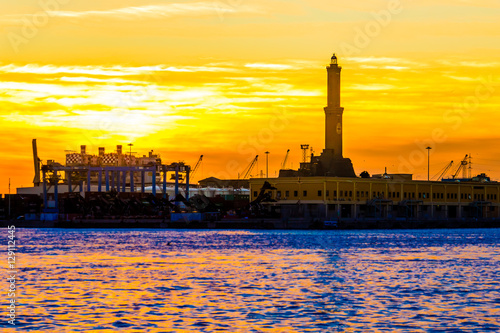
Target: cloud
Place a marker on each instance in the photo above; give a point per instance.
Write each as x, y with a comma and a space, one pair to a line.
372, 87
107, 70
269, 66
158, 11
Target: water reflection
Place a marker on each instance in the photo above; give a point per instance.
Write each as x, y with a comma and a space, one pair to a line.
261, 281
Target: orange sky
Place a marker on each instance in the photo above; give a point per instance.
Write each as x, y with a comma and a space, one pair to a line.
229, 79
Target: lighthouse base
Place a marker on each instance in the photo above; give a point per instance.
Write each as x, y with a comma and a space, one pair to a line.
327, 164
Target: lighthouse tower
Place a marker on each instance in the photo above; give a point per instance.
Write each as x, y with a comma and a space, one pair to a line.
331, 162
333, 111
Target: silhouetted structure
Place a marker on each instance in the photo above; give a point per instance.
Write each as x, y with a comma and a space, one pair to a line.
331, 162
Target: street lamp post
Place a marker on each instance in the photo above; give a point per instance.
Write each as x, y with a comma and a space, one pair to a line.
130, 154
267, 164
428, 161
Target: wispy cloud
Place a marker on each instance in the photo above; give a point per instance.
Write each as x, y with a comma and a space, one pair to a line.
268, 66
107, 70
379, 60
158, 11
461, 78
371, 87
470, 63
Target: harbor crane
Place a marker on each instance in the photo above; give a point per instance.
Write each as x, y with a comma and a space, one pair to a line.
193, 171
463, 167
36, 161
443, 171
283, 165
249, 168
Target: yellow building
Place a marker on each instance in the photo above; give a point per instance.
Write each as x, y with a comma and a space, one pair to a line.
358, 199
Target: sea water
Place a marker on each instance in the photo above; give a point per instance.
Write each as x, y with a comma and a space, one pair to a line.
151, 280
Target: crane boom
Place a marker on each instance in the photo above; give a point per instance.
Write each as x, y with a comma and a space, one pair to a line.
249, 168
443, 171
36, 160
463, 164
192, 172
197, 165
283, 165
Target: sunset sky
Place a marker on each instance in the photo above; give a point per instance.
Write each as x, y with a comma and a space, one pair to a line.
233, 78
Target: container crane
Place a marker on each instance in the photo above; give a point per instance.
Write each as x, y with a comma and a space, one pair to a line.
249, 168
283, 165
463, 167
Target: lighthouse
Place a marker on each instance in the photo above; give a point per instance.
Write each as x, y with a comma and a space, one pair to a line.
331, 162
333, 110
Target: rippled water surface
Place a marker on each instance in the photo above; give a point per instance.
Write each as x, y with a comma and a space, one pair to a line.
258, 281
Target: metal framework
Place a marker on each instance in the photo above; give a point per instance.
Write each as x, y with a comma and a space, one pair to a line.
114, 178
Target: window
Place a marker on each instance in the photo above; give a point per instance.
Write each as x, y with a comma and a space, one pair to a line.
405, 195
319, 193
461, 195
442, 195
278, 194
374, 194
350, 193
362, 194
470, 196
357, 194
255, 193
287, 194
389, 194
420, 195
341, 193
304, 193
413, 195
295, 193
335, 193
327, 193
366, 194
428, 196
433, 195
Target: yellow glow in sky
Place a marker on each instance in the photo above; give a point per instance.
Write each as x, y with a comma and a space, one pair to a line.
231, 79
